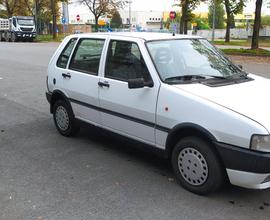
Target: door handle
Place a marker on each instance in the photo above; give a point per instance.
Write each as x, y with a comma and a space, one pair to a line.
66, 75
104, 84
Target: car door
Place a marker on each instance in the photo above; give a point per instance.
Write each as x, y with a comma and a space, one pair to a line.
80, 80
130, 112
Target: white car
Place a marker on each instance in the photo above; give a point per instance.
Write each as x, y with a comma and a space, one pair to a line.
177, 94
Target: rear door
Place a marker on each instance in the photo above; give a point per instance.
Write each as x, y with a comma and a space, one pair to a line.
130, 112
80, 80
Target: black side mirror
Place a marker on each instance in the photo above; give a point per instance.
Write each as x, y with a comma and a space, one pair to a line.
138, 83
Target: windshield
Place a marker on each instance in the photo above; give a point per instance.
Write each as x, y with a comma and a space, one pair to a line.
26, 22
196, 57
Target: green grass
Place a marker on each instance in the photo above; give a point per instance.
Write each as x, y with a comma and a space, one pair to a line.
247, 43
258, 52
49, 38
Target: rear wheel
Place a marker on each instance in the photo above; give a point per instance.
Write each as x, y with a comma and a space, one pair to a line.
196, 166
64, 119
13, 37
7, 38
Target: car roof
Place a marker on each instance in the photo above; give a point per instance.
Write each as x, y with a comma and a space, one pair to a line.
147, 36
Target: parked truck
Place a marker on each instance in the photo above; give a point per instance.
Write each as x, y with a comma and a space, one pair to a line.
17, 28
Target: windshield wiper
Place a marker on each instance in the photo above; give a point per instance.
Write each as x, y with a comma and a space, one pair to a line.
184, 78
193, 77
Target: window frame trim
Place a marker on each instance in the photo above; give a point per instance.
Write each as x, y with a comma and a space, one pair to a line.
107, 55
61, 51
75, 50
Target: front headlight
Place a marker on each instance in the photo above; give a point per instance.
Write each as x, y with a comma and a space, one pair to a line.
260, 143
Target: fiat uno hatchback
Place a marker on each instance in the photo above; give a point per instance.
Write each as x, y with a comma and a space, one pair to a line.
178, 94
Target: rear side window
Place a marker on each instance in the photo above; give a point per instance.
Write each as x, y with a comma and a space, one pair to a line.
64, 56
86, 57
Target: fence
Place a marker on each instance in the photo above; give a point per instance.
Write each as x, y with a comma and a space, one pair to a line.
236, 33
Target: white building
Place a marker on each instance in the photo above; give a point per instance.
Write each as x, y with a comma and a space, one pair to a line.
142, 19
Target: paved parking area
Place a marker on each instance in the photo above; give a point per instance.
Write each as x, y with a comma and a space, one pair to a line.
94, 175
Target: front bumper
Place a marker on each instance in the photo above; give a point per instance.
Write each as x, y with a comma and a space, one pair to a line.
246, 168
26, 34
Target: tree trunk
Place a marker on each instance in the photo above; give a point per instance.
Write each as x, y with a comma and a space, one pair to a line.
228, 21
182, 24
96, 24
53, 18
184, 20
257, 25
186, 27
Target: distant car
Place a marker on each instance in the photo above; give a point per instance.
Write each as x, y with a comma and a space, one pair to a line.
177, 94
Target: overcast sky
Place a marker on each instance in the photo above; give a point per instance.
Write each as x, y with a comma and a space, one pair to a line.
166, 5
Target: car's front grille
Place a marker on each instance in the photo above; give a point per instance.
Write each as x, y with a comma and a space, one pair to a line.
27, 29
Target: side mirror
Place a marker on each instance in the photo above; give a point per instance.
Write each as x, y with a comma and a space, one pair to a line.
240, 66
138, 83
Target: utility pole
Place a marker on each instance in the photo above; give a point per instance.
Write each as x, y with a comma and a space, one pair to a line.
214, 20
129, 14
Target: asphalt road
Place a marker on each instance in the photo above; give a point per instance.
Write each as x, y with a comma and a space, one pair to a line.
94, 175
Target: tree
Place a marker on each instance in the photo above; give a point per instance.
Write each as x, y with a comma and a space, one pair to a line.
232, 7
15, 7
102, 7
257, 25
202, 23
187, 6
116, 20
219, 18
265, 20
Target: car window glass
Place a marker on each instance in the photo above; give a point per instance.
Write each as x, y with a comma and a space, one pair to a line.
87, 56
125, 61
64, 57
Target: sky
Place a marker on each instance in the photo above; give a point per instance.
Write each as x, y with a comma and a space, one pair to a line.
166, 5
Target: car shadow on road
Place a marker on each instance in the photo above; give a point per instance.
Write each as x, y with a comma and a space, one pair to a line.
130, 150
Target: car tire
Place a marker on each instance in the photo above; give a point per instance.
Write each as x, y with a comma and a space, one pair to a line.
13, 38
7, 38
196, 166
64, 119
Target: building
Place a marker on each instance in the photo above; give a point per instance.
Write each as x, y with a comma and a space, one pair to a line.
138, 19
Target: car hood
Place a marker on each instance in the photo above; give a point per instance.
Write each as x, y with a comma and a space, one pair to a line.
248, 98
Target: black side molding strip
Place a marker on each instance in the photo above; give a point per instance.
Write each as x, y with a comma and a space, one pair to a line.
117, 114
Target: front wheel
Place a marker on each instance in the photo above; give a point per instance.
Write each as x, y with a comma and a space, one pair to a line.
196, 166
64, 119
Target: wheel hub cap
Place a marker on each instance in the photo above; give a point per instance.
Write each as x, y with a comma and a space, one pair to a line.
192, 166
61, 117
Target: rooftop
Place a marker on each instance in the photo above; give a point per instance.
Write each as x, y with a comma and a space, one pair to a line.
147, 36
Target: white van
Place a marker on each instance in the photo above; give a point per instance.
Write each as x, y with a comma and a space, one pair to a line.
178, 94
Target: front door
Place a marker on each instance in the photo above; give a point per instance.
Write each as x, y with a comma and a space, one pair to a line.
130, 112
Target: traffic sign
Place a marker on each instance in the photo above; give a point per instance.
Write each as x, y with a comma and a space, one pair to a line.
172, 15
63, 20
78, 18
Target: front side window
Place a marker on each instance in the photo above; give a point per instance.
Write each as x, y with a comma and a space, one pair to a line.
179, 59
64, 56
14, 22
125, 61
86, 57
